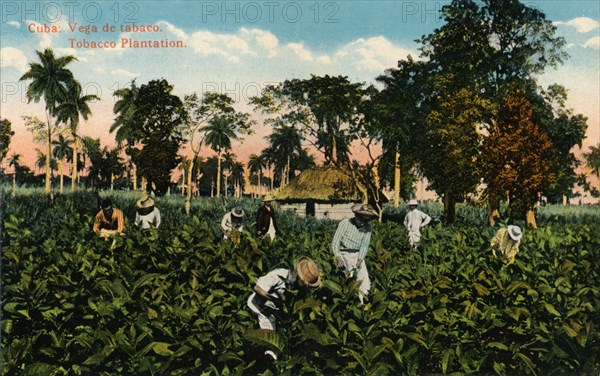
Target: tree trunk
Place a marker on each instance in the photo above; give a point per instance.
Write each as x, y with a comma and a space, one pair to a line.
74, 164
564, 200
60, 171
14, 183
493, 207
218, 174
112, 181
334, 149
134, 176
271, 177
48, 188
259, 182
449, 208
397, 180
188, 196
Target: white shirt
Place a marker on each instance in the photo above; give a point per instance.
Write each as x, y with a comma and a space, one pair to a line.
274, 282
414, 220
144, 221
227, 223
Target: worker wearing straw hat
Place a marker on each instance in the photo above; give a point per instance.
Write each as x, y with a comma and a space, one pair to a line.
233, 221
507, 241
413, 221
146, 214
272, 285
351, 243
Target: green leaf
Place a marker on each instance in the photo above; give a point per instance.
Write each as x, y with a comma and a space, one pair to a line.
265, 337
550, 308
497, 345
39, 369
447, 360
161, 348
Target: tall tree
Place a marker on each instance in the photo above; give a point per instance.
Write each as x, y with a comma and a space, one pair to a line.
200, 112
324, 107
50, 80
566, 130
286, 144
6, 133
43, 133
69, 112
517, 156
219, 133
153, 125
398, 114
14, 161
125, 126
593, 159
61, 152
486, 45
256, 164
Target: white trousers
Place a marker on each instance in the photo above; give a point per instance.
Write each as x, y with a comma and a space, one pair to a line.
264, 321
362, 274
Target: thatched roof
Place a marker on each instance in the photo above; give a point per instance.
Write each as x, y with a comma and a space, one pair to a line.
324, 183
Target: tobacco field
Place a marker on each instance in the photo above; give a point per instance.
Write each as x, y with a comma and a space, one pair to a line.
173, 301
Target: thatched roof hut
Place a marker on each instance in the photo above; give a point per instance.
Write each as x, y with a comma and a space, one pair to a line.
322, 192
320, 184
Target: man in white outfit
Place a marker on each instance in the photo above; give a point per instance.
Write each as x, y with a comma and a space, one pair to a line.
270, 287
351, 244
414, 220
232, 221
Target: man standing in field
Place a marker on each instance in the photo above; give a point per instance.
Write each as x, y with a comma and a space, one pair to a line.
351, 244
507, 241
266, 222
414, 220
272, 285
109, 220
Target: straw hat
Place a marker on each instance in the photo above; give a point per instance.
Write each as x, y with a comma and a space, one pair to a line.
238, 212
144, 202
413, 202
515, 233
308, 272
364, 210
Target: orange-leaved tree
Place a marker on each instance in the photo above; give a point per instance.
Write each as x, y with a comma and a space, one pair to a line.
516, 156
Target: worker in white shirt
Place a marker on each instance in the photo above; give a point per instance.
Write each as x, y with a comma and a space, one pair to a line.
233, 221
146, 214
414, 220
269, 288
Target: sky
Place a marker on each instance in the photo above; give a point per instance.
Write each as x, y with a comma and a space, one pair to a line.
239, 47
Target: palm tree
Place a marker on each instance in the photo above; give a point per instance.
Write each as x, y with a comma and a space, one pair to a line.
219, 134
69, 112
268, 156
51, 80
256, 164
61, 151
125, 108
285, 142
14, 161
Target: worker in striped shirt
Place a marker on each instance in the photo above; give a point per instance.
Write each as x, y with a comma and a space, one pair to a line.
351, 244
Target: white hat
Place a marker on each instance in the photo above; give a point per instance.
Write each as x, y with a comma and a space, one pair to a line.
413, 202
515, 233
237, 212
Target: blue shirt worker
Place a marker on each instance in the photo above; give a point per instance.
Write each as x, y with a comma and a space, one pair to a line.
351, 244
269, 288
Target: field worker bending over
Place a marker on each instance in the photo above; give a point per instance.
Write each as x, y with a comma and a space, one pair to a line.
351, 244
146, 214
507, 241
109, 220
414, 220
266, 222
272, 285
233, 220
